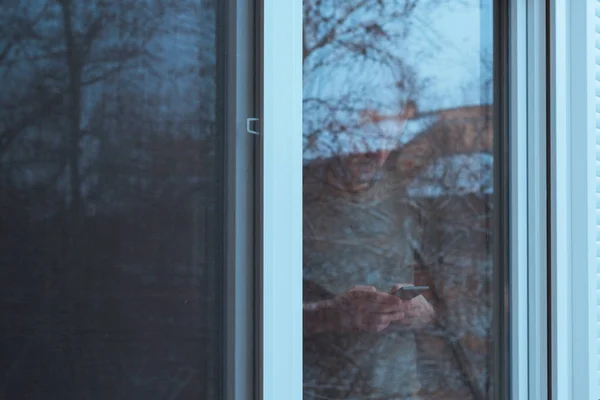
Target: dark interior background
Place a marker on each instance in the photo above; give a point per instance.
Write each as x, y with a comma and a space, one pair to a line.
110, 197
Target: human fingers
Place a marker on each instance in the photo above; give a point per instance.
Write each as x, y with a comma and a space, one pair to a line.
390, 317
384, 303
377, 322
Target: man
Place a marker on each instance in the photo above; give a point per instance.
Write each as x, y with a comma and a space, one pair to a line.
358, 337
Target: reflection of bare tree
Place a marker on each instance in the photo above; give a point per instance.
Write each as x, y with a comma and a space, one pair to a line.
57, 54
450, 167
358, 28
344, 41
359, 114
462, 130
108, 166
92, 56
453, 258
20, 108
68, 51
444, 173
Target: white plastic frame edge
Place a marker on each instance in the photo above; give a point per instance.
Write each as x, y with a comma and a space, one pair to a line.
572, 129
282, 200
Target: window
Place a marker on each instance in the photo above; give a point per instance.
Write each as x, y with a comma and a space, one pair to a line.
282, 285
527, 177
398, 177
126, 199
188, 190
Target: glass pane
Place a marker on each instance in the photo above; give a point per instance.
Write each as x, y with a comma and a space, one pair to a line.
397, 186
110, 200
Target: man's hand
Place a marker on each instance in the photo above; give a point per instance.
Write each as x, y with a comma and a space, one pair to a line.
360, 309
419, 311
364, 309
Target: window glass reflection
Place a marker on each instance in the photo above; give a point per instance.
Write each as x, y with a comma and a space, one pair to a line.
397, 176
110, 205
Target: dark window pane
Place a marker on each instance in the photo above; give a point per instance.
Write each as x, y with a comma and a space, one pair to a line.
110, 200
398, 182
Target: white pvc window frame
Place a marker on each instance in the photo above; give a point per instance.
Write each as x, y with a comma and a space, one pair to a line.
282, 201
572, 195
281, 342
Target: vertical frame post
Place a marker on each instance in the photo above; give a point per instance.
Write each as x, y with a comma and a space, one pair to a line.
282, 201
236, 35
518, 202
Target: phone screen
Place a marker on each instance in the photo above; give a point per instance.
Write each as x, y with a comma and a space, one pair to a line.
410, 292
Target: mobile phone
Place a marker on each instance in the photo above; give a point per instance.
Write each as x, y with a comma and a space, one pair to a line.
410, 292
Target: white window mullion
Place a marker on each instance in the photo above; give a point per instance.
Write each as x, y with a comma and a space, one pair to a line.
583, 199
560, 177
573, 198
282, 201
519, 244
596, 42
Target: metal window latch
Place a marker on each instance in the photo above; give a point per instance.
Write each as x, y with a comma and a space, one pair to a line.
248, 122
